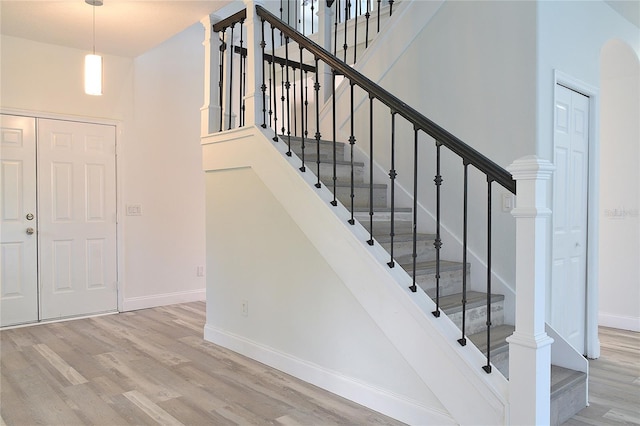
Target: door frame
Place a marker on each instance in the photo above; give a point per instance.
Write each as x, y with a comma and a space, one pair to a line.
592, 342
119, 204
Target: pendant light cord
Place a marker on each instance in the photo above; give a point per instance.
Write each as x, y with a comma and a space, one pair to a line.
94, 28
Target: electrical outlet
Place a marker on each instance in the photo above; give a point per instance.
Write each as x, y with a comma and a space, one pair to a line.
245, 308
134, 210
200, 271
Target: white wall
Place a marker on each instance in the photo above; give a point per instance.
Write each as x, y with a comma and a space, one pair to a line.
322, 305
163, 174
570, 39
619, 273
156, 100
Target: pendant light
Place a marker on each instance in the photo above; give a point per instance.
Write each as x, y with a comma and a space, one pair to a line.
93, 62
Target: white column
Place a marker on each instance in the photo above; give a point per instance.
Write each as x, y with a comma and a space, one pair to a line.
210, 111
529, 346
253, 98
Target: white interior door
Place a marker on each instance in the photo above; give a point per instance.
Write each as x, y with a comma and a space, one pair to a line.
77, 201
18, 237
570, 202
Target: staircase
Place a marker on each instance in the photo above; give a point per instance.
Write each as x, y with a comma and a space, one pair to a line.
568, 387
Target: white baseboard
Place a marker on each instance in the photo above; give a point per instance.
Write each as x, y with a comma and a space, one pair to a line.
382, 401
151, 301
618, 321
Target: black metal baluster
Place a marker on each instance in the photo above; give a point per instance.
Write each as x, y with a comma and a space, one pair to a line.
379, 15
346, 19
243, 76
352, 142
390, 7
392, 176
355, 35
275, 84
487, 368
303, 112
223, 48
231, 76
272, 97
370, 242
316, 87
413, 287
367, 16
282, 99
288, 106
312, 9
438, 242
304, 19
335, 31
263, 87
463, 340
334, 202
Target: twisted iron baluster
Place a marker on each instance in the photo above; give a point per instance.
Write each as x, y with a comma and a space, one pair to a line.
438, 242
352, 142
316, 87
392, 176
334, 202
370, 241
303, 112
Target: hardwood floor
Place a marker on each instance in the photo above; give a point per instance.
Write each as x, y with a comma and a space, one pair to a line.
614, 381
152, 366
148, 367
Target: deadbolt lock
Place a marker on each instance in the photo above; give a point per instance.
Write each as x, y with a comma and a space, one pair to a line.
29, 216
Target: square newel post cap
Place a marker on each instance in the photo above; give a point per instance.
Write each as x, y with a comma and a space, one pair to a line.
531, 167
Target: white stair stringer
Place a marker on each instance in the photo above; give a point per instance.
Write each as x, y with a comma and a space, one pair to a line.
465, 393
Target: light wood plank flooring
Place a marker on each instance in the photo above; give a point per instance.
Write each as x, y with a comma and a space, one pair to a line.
614, 381
152, 367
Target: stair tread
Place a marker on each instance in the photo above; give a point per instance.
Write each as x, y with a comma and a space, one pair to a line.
499, 334
453, 303
311, 159
383, 210
403, 237
343, 184
309, 139
429, 267
563, 379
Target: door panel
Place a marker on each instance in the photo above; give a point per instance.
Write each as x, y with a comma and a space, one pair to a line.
77, 187
570, 198
18, 249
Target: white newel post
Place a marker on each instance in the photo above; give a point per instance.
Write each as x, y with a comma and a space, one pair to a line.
210, 111
529, 345
253, 97
325, 19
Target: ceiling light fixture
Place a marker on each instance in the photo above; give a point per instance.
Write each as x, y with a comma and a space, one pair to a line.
93, 62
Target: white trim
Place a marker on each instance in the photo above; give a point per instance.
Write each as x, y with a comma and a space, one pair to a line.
144, 302
380, 400
619, 321
592, 343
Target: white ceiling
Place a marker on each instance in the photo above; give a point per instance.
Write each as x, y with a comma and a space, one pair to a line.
131, 27
123, 27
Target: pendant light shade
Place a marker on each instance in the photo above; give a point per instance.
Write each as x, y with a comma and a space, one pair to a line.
93, 62
93, 75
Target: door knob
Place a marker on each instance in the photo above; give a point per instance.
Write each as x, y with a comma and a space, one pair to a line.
30, 231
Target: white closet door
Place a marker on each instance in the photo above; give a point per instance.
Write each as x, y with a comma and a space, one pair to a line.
77, 201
